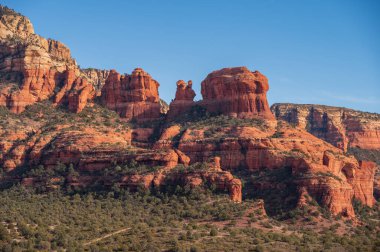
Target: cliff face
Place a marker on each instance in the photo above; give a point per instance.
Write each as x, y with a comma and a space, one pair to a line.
132, 96
343, 128
236, 92
315, 165
14, 23
33, 68
97, 77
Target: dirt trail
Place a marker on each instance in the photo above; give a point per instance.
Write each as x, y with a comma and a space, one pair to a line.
105, 236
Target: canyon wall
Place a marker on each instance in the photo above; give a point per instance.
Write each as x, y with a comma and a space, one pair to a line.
342, 127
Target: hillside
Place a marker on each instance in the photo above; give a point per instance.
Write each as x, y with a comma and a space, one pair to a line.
94, 160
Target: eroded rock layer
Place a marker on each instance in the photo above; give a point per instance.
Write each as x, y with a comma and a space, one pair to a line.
96, 76
133, 96
33, 68
318, 168
236, 92
183, 101
343, 128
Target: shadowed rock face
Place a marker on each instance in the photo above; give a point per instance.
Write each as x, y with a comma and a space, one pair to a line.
133, 96
343, 128
237, 92
75, 92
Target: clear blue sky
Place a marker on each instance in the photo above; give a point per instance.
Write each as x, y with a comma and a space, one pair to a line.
312, 51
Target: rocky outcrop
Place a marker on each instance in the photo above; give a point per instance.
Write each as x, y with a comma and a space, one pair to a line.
316, 166
362, 180
164, 107
97, 77
12, 22
167, 137
32, 68
211, 174
236, 92
343, 128
92, 153
78, 96
133, 96
183, 101
75, 92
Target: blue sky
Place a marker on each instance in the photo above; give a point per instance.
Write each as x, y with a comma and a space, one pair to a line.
312, 51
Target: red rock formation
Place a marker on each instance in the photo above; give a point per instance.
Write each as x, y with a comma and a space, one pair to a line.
166, 138
78, 96
235, 190
34, 65
133, 96
90, 150
362, 180
222, 180
237, 92
69, 77
97, 77
343, 128
184, 91
316, 166
213, 174
75, 91
38, 85
184, 99
38, 69
58, 50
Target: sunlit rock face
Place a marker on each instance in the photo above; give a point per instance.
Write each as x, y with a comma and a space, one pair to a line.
133, 96
342, 127
32, 68
183, 101
236, 92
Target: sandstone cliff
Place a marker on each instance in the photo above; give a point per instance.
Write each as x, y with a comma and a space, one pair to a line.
343, 128
237, 92
316, 167
96, 76
133, 96
33, 68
